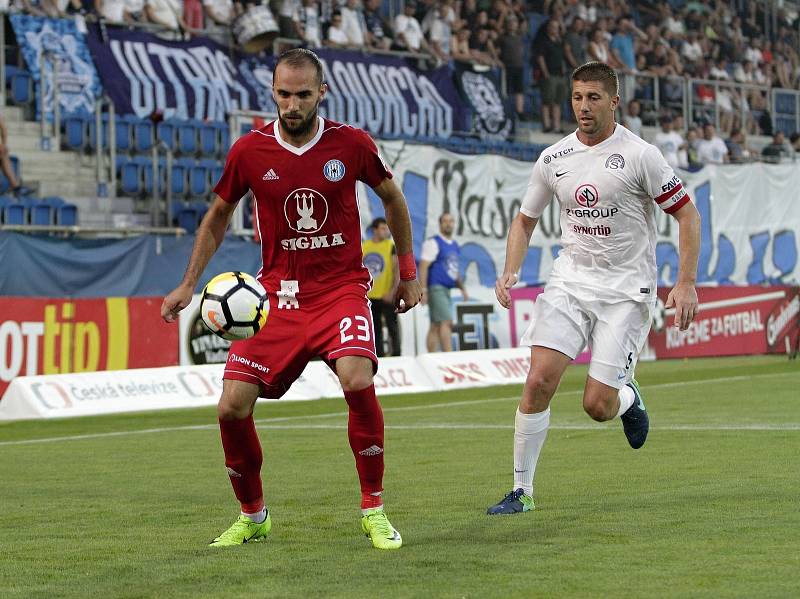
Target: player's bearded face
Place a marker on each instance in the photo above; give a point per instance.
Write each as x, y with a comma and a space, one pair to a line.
297, 121
298, 93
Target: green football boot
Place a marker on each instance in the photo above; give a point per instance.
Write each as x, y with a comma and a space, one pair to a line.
244, 530
377, 527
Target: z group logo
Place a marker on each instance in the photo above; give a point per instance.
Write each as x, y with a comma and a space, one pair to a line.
586, 195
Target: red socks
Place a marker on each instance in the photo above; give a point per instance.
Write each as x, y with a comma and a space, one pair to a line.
243, 455
365, 432
243, 458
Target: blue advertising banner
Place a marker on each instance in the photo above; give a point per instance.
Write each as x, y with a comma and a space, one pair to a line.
78, 83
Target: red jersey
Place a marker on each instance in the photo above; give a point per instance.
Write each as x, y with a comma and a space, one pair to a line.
306, 208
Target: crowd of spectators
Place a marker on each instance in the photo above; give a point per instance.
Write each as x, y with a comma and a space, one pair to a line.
732, 51
725, 45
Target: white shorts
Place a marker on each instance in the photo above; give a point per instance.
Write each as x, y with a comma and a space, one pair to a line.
614, 331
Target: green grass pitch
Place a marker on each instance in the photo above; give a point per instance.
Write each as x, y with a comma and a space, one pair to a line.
123, 506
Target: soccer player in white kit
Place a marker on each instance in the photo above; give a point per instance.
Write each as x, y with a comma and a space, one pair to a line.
602, 288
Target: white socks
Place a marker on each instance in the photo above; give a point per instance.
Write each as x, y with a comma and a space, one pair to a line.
530, 431
257, 517
626, 399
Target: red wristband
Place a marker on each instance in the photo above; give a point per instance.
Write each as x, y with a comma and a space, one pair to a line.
408, 267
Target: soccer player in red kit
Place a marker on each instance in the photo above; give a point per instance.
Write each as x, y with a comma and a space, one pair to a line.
302, 170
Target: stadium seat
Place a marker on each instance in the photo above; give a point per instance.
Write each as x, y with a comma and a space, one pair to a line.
199, 179
165, 131
208, 139
67, 215
21, 87
180, 176
123, 128
4, 202
188, 219
54, 202
76, 132
216, 173
40, 213
142, 135
130, 175
223, 138
15, 214
187, 132
201, 207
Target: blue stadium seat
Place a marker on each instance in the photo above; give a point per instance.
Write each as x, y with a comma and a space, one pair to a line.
175, 208
188, 219
199, 180
216, 173
4, 202
223, 138
123, 127
143, 135
208, 139
67, 215
180, 176
165, 131
21, 87
130, 175
15, 214
76, 131
187, 132
54, 202
201, 207
40, 213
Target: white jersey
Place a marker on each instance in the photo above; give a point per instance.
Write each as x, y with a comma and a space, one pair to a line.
608, 194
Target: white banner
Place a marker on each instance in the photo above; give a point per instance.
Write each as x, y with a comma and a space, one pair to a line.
111, 392
457, 370
750, 224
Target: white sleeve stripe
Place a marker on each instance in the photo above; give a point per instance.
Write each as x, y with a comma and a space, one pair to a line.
665, 196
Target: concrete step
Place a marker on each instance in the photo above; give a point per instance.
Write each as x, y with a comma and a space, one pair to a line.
41, 172
23, 128
12, 114
67, 189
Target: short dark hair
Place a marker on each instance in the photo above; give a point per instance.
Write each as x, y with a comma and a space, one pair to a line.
300, 57
378, 222
598, 71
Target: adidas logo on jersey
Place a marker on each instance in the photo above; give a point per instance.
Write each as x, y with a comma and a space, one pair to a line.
270, 176
370, 451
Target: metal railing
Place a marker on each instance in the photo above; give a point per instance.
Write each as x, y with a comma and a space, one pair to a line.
48, 78
682, 96
105, 161
158, 216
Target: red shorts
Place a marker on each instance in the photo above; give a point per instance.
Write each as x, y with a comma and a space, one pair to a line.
329, 326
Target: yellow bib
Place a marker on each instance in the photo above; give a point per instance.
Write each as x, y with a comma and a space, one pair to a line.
378, 259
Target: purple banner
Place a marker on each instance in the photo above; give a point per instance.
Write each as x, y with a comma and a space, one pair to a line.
144, 73
387, 96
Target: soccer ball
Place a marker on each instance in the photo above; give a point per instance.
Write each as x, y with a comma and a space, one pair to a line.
234, 306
